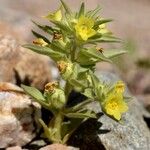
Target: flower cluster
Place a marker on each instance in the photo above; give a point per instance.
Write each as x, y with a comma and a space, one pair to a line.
72, 43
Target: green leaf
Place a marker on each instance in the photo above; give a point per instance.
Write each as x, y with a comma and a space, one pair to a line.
45, 51
87, 114
102, 21
47, 131
63, 26
90, 56
93, 13
41, 36
36, 95
105, 39
58, 47
96, 84
113, 53
82, 9
78, 107
69, 127
32, 91
45, 28
67, 9
88, 92
78, 85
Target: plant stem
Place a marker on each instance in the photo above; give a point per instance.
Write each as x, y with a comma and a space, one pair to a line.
57, 125
73, 51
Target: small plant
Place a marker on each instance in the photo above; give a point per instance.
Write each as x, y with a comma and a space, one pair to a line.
72, 44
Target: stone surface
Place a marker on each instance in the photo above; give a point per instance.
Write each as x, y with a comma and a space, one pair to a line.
58, 147
22, 65
132, 133
107, 134
18, 116
14, 148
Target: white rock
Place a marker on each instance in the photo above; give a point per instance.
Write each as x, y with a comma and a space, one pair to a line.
17, 116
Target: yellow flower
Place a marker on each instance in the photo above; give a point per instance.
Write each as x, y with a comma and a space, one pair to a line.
102, 29
40, 42
114, 104
84, 28
119, 87
56, 16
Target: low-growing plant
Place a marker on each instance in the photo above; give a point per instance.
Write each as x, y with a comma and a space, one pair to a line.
72, 43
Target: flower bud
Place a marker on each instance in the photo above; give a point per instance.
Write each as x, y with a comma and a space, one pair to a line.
40, 42
119, 87
51, 86
58, 99
56, 16
102, 29
65, 68
55, 95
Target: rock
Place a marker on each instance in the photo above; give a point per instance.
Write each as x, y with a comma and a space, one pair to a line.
18, 115
14, 148
132, 134
58, 147
107, 134
21, 65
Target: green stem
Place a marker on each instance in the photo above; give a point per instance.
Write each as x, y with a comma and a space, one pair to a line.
73, 51
68, 89
57, 125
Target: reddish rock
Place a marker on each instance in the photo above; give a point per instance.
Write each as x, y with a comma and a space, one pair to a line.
58, 147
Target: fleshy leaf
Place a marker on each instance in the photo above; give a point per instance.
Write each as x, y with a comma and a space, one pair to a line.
78, 107
88, 92
32, 91
81, 11
45, 28
63, 26
102, 21
93, 13
40, 36
104, 39
45, 51
47, 131
90, 56
87, 114
113, 53
36, 95
67, 9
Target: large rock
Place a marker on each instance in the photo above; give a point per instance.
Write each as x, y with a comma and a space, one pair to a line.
107, 134
21, 65
132, 134
58, 147
18, 116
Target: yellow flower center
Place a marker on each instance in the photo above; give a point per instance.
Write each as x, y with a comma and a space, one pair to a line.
84, 28
112, 105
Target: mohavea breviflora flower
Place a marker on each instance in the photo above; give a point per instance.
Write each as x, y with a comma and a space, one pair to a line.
114, 104
40, 42
56, 16
84, 28
102, 29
